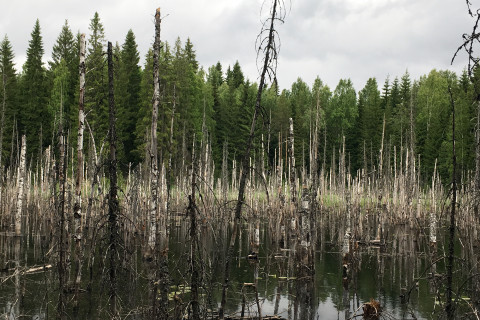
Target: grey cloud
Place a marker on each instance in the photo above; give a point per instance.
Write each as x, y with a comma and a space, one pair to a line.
330, 38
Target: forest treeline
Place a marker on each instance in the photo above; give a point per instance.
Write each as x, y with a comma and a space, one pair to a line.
217, 105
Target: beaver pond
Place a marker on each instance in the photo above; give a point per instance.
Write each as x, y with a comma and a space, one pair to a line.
404, 274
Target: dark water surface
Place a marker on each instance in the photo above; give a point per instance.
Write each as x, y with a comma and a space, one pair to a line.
399, 275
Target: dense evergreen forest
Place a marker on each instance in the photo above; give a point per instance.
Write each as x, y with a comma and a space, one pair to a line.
408, 114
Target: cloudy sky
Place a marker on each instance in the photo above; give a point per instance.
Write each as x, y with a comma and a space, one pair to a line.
332, 39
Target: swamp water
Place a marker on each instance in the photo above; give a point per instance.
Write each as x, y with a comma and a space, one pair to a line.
398, 274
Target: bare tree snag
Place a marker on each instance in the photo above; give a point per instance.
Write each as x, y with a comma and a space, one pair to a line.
2, 117
153, 144
112, 197
477, 160
77, 207
291, 156
270, 57
192, 208
62, 238
20, 184
159, 252
449, 306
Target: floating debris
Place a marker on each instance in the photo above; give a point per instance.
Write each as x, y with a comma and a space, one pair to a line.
372, 310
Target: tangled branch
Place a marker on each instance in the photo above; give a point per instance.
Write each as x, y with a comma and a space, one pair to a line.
469, 40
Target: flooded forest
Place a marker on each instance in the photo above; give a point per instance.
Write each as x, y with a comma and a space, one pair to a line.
170, 191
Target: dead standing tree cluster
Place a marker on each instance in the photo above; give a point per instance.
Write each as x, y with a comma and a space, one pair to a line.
267, 47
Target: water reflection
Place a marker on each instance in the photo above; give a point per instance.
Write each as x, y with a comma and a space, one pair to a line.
271, 275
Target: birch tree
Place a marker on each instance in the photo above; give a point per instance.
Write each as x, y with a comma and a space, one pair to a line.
77, 207
20, 184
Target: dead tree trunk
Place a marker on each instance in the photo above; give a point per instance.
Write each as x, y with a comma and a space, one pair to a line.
77, 207
193, 243
291, 155
62, 237
2, 124
112, 198
20, 184
270, 57
314, 177
2, 119
170, 154
305, 254
153, 148
160, 282
477, 160
449, 306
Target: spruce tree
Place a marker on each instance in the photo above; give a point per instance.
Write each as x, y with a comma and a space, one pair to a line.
403, 115
394, 107
59, 96
370, 123
215, 80
35, 119
96, 92
128, 100
235, 76
9, 107
144, 112
65, 48
65, 54
191, 55
342, 112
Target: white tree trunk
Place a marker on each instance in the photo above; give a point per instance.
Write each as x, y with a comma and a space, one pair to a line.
77, 214
477, 160
153, 152
20, 184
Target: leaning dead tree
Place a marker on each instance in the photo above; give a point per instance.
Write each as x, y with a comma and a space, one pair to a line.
267, 45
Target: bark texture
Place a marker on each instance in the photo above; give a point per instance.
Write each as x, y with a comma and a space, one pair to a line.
112, 197
20, 184
77, 207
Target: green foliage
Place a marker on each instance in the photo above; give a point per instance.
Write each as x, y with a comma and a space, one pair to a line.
9, 94
65, 55
128, 98
432, 119
235, 76
341, 114
34, 118
144, 113
59, 95
465, 124
96, 92
218, 106
370, 124
300, 104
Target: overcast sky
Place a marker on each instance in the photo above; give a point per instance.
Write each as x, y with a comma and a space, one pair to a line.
333, 39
